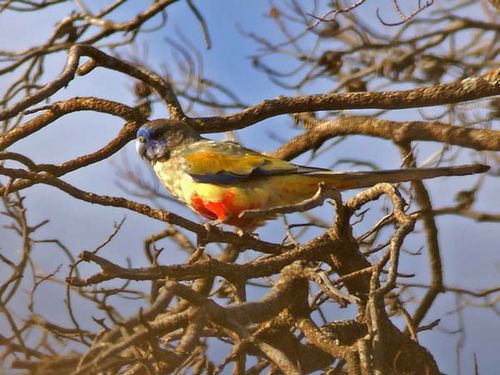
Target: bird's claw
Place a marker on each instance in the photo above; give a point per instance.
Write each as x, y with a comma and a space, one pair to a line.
209, 225
242, 233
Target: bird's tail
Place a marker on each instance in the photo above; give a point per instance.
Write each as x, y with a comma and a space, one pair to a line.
354, 180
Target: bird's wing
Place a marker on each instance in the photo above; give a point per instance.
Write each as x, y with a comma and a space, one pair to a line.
228, 163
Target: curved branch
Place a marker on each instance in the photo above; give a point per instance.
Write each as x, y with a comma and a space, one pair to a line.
406, 131
99, 58
431, 233
460, 91
61, 108
66, 76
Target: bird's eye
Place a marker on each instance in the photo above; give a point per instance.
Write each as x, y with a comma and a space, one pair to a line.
141, 139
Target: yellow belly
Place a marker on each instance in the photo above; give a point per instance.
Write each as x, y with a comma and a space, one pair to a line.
226, 202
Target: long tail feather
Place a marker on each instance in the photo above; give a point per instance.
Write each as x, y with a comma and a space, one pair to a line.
353, 180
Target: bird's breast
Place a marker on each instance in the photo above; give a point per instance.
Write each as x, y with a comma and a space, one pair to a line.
171, 173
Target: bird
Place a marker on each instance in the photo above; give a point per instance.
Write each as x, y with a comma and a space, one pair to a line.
221, 180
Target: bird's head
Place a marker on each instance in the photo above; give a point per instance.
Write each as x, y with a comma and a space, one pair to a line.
158, 138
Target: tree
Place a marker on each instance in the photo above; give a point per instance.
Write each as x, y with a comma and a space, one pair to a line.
348, 295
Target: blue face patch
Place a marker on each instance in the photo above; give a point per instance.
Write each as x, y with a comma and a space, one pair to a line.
144, 132
148, 146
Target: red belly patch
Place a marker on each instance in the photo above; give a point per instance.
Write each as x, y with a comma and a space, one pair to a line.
199, 206
224, 210
220, 210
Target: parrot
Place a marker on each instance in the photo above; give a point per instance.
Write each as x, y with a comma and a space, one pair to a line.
220, 180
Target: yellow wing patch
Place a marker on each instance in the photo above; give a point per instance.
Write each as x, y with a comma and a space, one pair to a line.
210, 162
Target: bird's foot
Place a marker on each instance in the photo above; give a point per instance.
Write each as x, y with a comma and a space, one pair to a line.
209, 225
242, 233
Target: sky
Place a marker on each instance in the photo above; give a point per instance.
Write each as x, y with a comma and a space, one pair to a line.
466, 246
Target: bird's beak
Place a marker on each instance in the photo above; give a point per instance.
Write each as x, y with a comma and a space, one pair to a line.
140, 146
